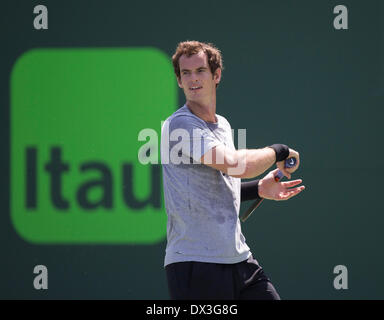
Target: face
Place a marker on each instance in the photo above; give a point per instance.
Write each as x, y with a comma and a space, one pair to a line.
196, 78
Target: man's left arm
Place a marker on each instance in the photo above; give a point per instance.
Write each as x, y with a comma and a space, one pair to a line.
268, 188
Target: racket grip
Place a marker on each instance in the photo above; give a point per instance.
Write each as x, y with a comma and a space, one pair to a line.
289, 163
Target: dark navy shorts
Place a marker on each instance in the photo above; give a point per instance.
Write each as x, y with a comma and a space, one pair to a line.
245, 280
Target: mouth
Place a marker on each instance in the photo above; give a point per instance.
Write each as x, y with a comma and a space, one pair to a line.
195, 88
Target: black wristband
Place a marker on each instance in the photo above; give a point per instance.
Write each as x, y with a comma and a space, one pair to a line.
250, 190
282, 151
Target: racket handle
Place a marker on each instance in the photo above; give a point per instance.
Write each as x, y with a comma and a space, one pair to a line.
289, 163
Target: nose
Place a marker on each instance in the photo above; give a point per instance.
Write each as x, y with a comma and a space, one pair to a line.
194, 77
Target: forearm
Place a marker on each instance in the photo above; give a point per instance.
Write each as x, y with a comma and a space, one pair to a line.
255, 161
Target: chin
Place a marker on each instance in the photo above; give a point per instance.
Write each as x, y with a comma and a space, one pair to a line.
195, 99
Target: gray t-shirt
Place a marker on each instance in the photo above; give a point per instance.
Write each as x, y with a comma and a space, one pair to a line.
202, 203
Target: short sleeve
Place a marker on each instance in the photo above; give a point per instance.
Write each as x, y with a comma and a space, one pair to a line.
190, 138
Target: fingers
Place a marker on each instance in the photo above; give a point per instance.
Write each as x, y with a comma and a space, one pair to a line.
280, 166
291, 193
296, 155
286, 173
292, 183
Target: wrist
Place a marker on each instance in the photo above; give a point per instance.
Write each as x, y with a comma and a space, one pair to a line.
281, 151
260, 188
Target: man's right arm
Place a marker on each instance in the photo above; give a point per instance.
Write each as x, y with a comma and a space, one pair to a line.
244, 163
249, 163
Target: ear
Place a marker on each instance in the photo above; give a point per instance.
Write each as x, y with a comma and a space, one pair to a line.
179, 82
217, 76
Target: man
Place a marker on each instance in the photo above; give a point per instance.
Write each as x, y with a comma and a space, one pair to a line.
206, 255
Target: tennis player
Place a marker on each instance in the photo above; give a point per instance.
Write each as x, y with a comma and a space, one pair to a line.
206, 254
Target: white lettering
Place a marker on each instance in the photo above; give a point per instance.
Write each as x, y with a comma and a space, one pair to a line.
341, 20
40, 21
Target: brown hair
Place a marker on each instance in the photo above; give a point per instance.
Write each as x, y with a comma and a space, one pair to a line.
190, 48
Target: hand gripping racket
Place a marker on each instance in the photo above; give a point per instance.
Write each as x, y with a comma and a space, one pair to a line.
289, 163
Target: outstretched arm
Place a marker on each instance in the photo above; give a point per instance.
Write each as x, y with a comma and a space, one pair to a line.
247, 163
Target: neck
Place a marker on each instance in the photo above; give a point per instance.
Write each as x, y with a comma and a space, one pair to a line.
205, 111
